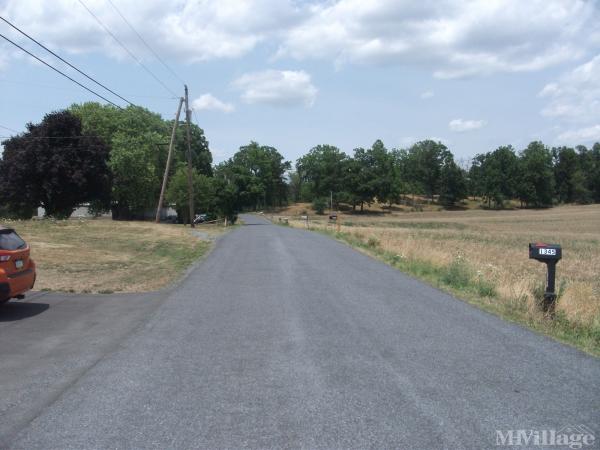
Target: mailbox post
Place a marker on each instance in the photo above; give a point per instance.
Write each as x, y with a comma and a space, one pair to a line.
549, 254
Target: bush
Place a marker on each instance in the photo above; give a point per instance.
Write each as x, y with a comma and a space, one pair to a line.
373, 242
486, 289
457, 274
319, 204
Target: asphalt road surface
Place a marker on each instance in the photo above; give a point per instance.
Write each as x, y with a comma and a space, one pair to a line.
281, 338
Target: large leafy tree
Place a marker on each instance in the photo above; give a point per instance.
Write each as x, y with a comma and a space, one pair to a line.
494, 175
258, 173
201, 156
136, 174
569, 177
54, 165
178, 193
536, 176
139, 141
424, 165
590, 165
453, 184
322, 171
376, 175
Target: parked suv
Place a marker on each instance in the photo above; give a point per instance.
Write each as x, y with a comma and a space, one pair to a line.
17, 269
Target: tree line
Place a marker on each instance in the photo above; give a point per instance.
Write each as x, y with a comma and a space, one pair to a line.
537, 176
114, 159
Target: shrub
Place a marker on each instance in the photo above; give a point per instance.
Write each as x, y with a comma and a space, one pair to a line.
373, 242
485, 288
457, 274
319, 204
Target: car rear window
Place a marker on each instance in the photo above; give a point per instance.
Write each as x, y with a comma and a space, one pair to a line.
9, 240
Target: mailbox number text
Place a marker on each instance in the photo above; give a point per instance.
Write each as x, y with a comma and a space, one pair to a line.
548, 251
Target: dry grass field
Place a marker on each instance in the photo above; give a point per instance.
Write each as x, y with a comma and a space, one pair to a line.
482, 256
103, 256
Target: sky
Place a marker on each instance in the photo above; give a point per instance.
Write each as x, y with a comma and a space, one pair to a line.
294, 74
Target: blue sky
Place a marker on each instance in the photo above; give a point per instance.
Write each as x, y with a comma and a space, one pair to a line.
291, 74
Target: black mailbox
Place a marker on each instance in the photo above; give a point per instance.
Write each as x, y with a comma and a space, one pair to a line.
549, 254
545, 252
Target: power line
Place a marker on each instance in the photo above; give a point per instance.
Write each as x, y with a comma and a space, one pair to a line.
146, 43
58, 71
125, 48
9, 129
51, 86
65, 61
50, 137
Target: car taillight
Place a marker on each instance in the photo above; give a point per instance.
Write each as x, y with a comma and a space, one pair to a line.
4, 258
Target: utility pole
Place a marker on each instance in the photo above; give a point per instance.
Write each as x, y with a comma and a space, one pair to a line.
331, 203
188, 113
169, 158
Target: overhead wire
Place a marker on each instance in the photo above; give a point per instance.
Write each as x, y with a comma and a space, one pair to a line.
156, 55
9, 129
58, 71
50, 137
129, 52
65, 61
52, 86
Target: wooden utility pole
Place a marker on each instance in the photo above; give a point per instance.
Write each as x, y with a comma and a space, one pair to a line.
169, 158
188, 113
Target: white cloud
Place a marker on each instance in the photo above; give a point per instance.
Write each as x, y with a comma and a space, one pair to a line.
277, 87
460, 125
186, 30
573, 102
588, 134
208, 102
576, 96
427, 94
452, 38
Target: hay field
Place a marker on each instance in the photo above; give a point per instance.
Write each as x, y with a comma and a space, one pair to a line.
483, 257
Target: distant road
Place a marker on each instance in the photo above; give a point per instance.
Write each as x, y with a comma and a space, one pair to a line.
284, 338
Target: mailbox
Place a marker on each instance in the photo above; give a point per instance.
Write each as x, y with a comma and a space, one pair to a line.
545, 252
549, 254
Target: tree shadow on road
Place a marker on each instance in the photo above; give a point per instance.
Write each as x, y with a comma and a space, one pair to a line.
13, 311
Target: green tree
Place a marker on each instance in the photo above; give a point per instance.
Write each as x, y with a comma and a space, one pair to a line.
201, 156
294, 186
453, 185
53, 165
136, 177
424, 165
258, 173
536, 176
178, 193
322, 170
494, 175
569, 177
227, 199
476, 179
589, 161
138, 141
319, 204
376, 175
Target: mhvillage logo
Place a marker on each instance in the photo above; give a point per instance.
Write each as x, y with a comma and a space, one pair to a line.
571, 436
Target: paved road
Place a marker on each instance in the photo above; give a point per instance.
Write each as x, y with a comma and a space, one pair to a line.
283, 338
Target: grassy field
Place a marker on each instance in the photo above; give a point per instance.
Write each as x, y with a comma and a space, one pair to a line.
104, 256
482, 257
